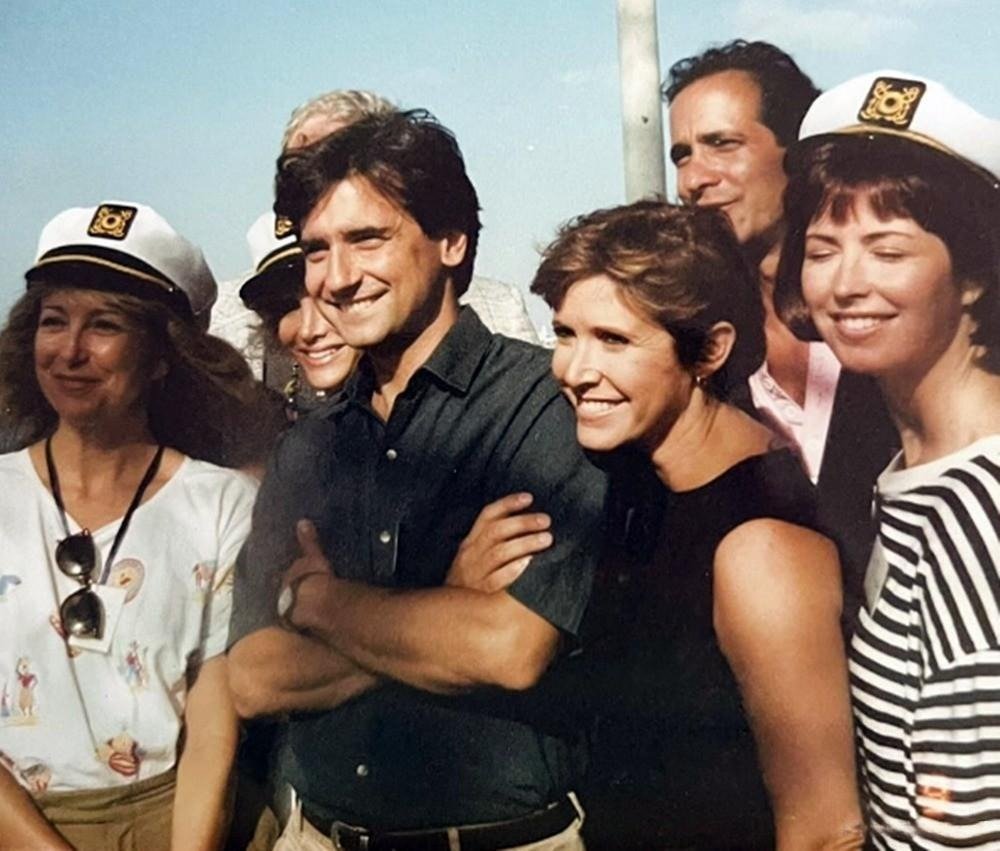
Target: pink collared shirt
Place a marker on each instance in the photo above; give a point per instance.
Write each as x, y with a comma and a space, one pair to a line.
805, 428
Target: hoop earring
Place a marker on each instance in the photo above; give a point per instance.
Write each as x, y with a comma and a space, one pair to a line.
291, 394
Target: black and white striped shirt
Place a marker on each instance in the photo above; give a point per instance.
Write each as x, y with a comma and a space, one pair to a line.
925, 659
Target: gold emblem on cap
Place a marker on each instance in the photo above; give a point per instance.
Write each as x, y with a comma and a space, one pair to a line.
282, 226
892, 103
111, 221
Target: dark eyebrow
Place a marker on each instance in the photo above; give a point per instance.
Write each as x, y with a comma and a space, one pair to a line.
882, 234
311, 246
678, 152
822, 237
359, 234
717, 136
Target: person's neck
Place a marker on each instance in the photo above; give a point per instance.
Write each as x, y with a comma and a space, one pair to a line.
706, 439
953, 404
395, 361
787, 356
763, 250
90, 457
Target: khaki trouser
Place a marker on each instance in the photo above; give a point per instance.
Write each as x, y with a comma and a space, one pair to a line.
300, 835
124, 818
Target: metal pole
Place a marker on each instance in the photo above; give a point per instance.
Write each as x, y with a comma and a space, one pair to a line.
642, 112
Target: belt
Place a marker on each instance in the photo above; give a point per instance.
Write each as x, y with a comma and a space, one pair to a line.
482, 837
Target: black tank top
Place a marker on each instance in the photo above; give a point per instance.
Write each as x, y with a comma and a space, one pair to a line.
673, 763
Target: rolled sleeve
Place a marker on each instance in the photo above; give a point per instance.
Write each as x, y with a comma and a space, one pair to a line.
549, 464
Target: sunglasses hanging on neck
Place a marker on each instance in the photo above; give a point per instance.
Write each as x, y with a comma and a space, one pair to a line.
82, 612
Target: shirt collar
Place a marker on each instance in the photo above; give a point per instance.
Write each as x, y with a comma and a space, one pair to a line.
456, 359
454, 362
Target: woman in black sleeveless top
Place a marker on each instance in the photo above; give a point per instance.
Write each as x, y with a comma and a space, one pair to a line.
718, 675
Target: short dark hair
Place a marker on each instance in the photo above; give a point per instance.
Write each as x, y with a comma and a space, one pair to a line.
786, 92
408, 156
898, 177
680, 266
208, 405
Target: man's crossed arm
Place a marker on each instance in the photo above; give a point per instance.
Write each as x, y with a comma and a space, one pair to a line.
348, 635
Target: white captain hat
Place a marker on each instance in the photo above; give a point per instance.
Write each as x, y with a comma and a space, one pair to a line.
908, 106
276, 256
121, 246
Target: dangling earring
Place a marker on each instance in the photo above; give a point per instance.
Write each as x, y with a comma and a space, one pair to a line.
291, 393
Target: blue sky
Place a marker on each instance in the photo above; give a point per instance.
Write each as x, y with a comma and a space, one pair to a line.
180, 105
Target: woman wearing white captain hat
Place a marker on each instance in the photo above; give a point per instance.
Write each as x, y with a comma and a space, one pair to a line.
291, 323
893, 246
118, 540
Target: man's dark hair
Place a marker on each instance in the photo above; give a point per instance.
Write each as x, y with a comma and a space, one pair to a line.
785, 91
407, 156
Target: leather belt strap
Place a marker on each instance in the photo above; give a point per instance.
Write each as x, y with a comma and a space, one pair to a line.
481, 837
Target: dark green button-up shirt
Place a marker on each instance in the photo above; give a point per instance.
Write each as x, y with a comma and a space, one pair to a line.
392, 501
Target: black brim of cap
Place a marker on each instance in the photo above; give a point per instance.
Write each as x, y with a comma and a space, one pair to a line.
93, 268
798, 154
280, 281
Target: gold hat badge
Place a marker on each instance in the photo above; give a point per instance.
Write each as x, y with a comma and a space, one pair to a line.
282, 227
892, 103
111, 221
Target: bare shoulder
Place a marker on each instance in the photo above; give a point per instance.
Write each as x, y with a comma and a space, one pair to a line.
774, 579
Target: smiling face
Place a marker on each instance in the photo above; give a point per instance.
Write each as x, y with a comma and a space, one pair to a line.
325, 360
618, 369
378, 278
881, 292
725, 157
92, 361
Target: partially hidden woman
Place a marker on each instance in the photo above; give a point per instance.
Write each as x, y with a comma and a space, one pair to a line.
720, 686
118, 535
291, 326
894, 247
292, 333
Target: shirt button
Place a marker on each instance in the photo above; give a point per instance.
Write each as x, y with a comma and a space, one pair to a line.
384, 536
391, 454
361, 770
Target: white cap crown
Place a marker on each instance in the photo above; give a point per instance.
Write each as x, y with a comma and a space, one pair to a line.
131, 243
912, 107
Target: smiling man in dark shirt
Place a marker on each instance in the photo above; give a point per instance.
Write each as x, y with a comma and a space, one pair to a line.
441, 418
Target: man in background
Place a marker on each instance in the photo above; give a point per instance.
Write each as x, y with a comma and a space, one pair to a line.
733, 111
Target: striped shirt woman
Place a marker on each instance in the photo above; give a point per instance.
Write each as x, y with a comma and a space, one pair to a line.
893, 211
925, 660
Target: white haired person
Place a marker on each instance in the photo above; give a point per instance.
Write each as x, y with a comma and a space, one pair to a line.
118, 539
893, 246
322, 115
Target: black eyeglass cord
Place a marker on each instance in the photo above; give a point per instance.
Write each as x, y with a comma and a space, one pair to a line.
151, 471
